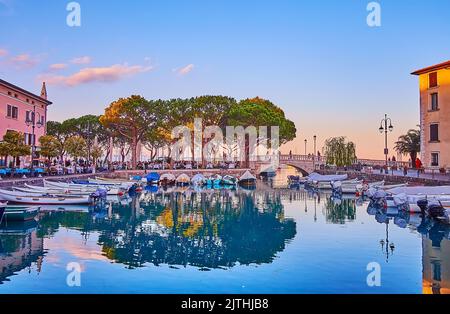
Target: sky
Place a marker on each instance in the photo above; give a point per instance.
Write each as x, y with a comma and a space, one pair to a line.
330, 72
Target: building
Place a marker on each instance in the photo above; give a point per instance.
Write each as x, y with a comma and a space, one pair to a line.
17, 106
435, 261
434, 83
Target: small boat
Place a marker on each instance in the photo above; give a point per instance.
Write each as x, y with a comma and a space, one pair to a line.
2, 209
247, 180
268, 172
183, 180
24, 198
167, 179
198, 180
217, 179
153, 178
91, 188
229, 180
20, 213
117, 184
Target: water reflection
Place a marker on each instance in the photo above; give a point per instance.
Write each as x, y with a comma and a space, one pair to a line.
222, 229
20, 248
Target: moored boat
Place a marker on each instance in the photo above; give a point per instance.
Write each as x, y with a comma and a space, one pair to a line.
198, 180
247, 180
20, 213
25, 198
229, 180
153, 178
167, 179
183, 180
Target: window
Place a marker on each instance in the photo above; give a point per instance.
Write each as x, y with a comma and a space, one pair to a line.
432, 79
436, 271
12, 112
434, 133
9, 94
16, 96
434, 159
29, 116
434, 102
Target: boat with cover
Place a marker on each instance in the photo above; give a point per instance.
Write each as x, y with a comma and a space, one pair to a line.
268, 172
153, 178
25, 198
198, 180
411, 196
110, 190
324, 181
183, 180
229, 180
247, 179
167, 179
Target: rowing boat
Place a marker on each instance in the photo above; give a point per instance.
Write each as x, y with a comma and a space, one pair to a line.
20, 213
25, 198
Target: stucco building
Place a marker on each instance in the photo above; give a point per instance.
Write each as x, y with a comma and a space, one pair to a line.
434, 84
17, 105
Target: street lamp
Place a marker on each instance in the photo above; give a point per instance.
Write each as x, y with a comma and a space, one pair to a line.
314, 153
385, 128
306, 142
31, 121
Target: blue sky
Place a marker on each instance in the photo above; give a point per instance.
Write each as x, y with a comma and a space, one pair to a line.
331, 73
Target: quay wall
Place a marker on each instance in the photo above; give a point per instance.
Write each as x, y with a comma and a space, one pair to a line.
390, 179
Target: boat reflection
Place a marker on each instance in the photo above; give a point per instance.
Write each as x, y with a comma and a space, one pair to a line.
20, 248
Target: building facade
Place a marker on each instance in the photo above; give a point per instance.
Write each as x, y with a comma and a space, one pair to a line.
434, 84
18, 105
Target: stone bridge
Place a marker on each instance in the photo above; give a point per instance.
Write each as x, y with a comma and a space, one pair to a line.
307, 164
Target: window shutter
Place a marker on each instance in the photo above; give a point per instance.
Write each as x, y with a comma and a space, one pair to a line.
434, 132
433, 79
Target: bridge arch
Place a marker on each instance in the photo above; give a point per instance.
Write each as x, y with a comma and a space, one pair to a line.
304, 172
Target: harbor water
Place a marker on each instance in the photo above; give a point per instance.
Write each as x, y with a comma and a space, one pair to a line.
275, 239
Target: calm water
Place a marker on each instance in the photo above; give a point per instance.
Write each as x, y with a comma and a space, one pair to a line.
272, 240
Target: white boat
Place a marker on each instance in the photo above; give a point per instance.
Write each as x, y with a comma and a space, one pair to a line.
110, 190
328, 185
315, 177
347, 187
198, 180
120, 184
409, 196
24, 198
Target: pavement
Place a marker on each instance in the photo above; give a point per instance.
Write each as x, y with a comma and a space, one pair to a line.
413, 174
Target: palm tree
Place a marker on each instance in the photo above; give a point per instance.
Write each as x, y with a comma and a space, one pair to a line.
409, 144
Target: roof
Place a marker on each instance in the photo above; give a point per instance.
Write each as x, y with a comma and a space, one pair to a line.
440, 66
10, 85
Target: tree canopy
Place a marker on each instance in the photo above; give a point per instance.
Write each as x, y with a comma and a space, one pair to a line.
339, 152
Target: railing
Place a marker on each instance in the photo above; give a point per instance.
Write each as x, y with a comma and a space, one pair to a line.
309, 158
323, 159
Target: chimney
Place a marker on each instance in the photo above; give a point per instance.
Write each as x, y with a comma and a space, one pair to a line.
44, 91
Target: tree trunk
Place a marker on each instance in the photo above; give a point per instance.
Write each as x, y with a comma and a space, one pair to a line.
134, 149
413, 157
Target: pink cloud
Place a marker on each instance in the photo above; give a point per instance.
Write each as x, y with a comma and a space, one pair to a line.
100, 74
58, 66
81, 60
24, 61
185, 70
3, 52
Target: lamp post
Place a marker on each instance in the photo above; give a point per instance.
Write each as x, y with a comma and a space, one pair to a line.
31, 121
314, 153
385, 128
306, 142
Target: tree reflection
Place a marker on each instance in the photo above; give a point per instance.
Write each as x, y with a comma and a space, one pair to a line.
204, 229
340, 211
